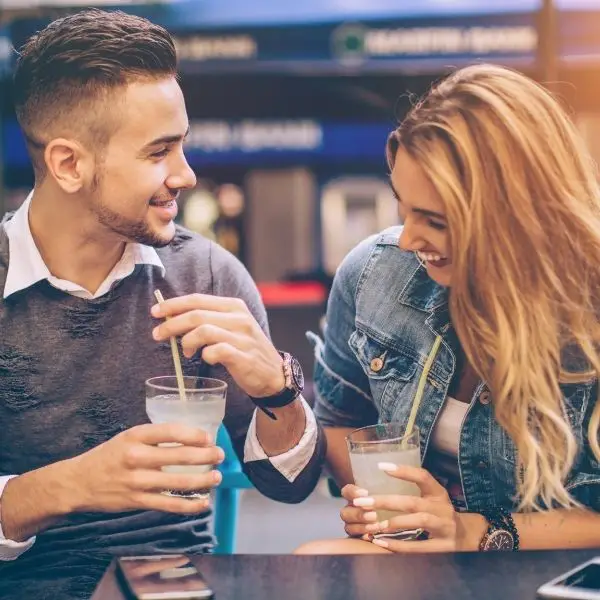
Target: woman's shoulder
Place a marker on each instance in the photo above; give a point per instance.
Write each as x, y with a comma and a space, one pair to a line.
378, 252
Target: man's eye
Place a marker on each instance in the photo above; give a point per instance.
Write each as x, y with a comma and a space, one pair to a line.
161, 153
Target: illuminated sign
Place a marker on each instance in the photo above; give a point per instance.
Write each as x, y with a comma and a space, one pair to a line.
223, 47
358, 42
255, 136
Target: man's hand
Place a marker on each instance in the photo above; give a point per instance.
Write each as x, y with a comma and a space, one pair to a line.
124, 473
228, 334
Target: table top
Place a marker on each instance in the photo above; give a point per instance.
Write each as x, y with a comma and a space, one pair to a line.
501, 576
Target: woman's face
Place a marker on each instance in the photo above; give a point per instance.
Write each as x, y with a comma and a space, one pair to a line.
422, 213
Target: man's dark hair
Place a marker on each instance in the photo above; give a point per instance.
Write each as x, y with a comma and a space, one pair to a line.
66, 70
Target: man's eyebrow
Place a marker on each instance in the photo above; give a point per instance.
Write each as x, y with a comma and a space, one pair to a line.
167, 139
421, 211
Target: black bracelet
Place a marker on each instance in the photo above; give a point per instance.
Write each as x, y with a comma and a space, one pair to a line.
502, 519
510, 525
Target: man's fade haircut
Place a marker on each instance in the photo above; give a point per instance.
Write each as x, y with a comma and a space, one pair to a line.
66, 72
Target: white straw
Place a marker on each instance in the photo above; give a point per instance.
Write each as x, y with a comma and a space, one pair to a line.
176, 359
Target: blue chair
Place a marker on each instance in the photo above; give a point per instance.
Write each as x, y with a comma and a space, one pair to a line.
227, 495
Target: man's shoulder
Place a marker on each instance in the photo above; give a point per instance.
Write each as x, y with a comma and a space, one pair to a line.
191, 256
190, 248
185, 242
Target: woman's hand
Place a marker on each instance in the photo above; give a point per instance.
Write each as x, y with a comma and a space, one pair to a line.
432, 511
357, 521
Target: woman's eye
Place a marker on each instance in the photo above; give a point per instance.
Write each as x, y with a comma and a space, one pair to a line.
437, 225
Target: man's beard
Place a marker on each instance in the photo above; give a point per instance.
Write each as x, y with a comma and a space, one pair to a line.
134, 231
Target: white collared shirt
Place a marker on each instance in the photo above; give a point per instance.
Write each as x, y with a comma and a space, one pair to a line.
26, 268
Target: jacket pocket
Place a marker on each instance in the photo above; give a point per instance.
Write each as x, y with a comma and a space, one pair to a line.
392, 374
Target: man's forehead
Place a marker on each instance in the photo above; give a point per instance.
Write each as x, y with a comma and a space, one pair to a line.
154, 108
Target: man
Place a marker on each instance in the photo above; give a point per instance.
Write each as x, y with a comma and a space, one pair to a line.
98, 101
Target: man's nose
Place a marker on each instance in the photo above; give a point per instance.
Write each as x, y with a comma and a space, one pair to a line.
183, 178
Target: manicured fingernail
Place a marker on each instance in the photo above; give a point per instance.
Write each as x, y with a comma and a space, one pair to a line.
381, 543
370, 516
216, 475
372, 528
367, 537
220, 455
384, 525
385, 466
363, 502
155, 310
361, 492
156, 333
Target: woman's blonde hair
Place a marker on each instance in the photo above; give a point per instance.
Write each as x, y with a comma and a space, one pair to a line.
523, 211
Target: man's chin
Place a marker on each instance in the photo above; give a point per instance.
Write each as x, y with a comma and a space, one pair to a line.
154, 239
160, 237
160, 241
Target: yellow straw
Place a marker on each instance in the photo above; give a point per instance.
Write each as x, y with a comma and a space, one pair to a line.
421, 386
175, 353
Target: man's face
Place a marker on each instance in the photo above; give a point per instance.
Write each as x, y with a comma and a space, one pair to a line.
143, 167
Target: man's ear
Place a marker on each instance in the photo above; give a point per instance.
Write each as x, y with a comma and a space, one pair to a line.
69, 163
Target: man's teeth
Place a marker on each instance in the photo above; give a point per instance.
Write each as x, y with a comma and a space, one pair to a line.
430, 257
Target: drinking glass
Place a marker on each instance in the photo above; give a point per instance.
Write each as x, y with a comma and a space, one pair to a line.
384, 442
203, 407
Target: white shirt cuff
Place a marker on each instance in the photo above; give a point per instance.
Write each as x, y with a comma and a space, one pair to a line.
291, 463
9, 549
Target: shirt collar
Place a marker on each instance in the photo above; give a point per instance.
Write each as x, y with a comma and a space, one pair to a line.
26, 266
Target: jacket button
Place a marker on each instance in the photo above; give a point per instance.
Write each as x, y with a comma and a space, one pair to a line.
376, 365
485, 397
481, 465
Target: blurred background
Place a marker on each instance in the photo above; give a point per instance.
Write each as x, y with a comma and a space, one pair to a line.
290, 105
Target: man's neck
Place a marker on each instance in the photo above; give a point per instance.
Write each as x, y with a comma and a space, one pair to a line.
70, 240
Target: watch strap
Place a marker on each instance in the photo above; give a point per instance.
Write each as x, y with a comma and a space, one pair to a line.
499, 518
292, 388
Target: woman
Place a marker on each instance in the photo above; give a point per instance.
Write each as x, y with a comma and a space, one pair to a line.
498, 260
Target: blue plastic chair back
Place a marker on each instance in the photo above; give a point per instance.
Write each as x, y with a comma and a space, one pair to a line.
226, 498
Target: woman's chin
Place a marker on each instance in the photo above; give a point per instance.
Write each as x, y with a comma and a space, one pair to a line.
441, 275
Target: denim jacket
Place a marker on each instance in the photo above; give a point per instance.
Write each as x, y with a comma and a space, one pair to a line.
384, 306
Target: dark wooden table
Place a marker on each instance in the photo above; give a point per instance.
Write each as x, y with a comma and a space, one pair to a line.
514, 576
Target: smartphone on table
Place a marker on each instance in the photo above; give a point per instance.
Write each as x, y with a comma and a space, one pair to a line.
580, 583
162, 577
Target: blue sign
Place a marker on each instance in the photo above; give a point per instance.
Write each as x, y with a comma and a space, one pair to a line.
326, 35
250, 36
304, 141
258, 142
508, 38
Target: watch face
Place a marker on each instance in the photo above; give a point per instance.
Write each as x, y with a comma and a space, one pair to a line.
297, 375
499, 540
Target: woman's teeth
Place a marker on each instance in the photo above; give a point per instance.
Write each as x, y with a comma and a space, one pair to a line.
430, 257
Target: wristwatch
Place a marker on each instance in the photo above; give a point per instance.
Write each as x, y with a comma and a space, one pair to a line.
294, 384
501, 534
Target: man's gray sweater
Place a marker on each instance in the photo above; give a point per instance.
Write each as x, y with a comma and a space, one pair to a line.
72, 375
